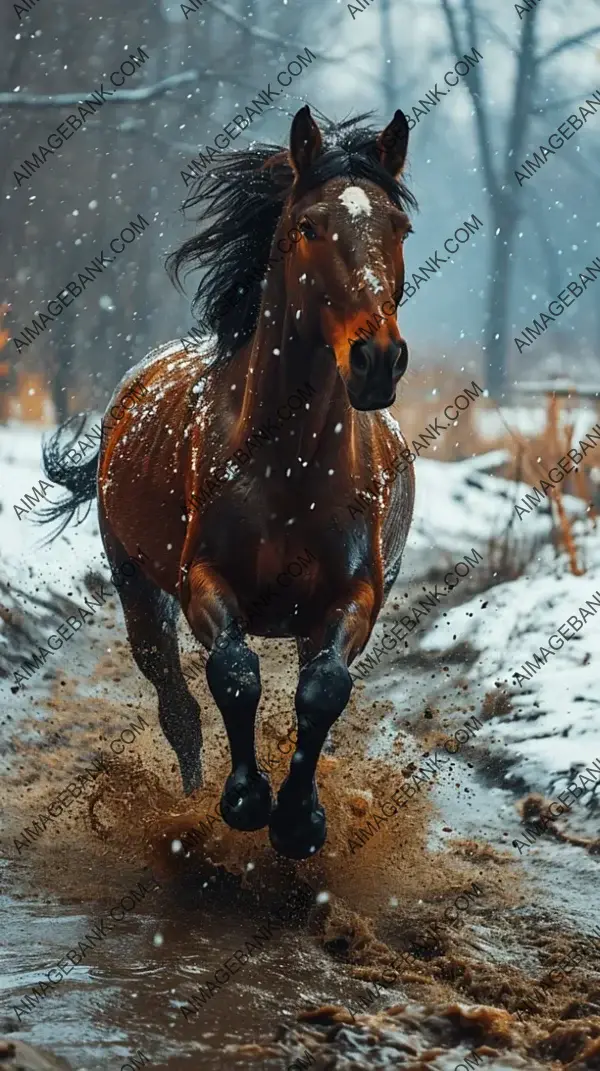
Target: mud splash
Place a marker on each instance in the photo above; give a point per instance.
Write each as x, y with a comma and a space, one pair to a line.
368, 925
416, 1037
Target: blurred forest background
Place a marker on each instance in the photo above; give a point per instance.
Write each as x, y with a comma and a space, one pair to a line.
537, 66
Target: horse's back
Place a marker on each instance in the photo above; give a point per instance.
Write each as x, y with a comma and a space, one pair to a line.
144, 455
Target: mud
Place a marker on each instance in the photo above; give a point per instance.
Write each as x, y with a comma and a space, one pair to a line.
414, 1036
366, 928
17, 1056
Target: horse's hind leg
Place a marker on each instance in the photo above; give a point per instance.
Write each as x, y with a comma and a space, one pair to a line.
298, 828
151, 620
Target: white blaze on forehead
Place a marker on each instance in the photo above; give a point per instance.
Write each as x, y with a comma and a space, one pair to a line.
356, 201
372, 280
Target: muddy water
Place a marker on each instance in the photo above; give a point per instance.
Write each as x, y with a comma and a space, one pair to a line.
215, 894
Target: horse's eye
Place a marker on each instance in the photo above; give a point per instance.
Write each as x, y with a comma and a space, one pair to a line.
406, 235
307, 230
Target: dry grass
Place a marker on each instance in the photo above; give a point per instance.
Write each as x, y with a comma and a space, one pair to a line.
416, 408
535, 457
529, 461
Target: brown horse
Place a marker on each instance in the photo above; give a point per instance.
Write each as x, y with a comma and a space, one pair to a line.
292, 323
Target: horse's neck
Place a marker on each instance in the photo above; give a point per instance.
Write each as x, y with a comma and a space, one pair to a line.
282, 368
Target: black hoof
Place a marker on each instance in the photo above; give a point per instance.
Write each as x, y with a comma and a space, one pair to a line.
246, 802
298, 834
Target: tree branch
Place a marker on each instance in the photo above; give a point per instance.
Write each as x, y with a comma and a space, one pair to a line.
568, 42
474, 88
119, 96
268, 35
497, 32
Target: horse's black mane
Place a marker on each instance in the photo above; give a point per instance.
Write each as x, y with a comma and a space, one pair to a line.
241, 204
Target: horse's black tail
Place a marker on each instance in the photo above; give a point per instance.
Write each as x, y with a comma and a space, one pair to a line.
80, 480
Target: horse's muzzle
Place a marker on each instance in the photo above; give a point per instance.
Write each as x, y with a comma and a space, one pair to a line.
374, 373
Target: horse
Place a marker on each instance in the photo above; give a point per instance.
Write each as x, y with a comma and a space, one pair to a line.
277, 322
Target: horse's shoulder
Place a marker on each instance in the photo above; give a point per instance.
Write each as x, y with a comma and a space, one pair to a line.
177, 356
166, 365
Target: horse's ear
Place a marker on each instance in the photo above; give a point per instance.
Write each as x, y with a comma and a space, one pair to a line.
305, 141
392, 144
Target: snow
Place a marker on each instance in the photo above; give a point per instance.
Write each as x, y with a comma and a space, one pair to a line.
373, 281
553, 726
460, 505
520, 617
31, 576
388, 419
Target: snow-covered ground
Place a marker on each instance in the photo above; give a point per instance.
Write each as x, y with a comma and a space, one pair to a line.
459, 506
36, 582
557, 728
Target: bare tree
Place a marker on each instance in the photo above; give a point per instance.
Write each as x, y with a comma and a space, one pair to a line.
505, 197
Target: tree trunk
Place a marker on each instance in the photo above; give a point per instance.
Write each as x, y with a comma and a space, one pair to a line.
498, 302
391, 96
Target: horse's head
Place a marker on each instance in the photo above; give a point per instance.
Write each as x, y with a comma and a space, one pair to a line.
345, 274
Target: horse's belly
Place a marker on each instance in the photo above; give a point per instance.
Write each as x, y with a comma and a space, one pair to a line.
288, 606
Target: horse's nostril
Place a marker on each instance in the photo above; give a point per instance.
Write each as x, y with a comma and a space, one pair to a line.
359, 360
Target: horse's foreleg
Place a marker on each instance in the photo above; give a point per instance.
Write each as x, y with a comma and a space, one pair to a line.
233, 676
298, 828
